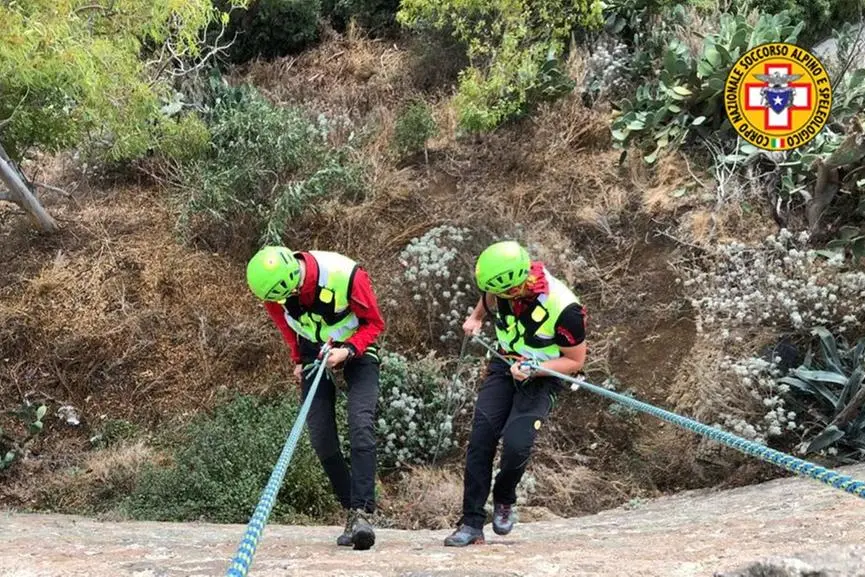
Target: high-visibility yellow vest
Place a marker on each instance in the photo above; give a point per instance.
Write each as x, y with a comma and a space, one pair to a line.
330, 316
532, 334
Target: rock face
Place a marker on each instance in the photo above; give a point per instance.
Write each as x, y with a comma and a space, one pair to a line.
837, 561
784, 528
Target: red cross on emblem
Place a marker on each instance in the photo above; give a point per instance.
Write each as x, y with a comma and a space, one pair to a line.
755, 94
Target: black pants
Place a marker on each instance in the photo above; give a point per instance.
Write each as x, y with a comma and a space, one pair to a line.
354, 488
510, 410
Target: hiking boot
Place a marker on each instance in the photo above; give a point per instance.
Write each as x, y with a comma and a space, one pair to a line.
344, 540
465, 535
503, 519
362, 535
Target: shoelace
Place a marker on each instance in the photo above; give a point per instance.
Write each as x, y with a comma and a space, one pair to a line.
505, 512
349, 522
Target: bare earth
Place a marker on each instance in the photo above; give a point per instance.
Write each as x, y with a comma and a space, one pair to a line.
693, 533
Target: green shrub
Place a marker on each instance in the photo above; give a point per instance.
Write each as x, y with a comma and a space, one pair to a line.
819, 16
16, 440
413, 128
114, 431
419, 406
184, 139
224, 462
687, 94
264, 162
273, 28
515, 49
828, 388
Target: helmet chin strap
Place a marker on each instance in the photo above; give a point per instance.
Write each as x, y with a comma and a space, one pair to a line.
301, 274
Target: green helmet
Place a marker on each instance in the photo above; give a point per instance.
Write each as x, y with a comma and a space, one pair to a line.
273, 273
502, 266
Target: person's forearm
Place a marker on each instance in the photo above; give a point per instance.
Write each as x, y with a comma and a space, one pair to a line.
569, 363
479, 311
563, 365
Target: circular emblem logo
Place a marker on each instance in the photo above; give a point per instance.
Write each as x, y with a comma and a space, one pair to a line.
778, 96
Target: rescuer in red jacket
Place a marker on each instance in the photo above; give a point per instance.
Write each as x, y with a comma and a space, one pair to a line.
316, 297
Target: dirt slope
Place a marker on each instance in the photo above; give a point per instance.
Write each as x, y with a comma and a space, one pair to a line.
692, 533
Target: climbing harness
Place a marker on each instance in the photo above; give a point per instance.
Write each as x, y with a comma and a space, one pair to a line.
246, 550
783, 460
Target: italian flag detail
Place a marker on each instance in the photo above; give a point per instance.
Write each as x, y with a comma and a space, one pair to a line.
778, 143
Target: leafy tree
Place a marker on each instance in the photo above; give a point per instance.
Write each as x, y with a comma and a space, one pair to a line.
513, 47
74, 72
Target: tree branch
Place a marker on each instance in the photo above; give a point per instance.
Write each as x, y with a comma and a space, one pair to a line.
53, 189
24, 198
6, 121
178, 57
93, 7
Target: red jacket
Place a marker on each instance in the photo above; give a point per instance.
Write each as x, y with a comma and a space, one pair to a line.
362, 303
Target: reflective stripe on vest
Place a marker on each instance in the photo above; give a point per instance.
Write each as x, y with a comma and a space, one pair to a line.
329, 316
515, 338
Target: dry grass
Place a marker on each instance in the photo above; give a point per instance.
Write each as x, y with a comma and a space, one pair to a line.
704, 391
658, 185
425, 498
568, 490
348, 75
669, 458
717, 390
120, 318
103, 477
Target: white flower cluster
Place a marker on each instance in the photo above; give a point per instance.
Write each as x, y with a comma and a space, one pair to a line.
418, 406
607, 70
525, 488
769, 417
440, 280
611, 383
778, 284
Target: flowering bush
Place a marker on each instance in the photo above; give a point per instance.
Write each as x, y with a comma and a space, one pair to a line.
418, 406
440, 279
759, 378
525, 489
780, 284
607, 71
816, 406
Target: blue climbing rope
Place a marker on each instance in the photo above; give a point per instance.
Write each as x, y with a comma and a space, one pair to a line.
788, 462
246, 550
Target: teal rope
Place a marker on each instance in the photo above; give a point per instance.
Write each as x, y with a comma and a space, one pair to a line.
788, 462
246, 550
